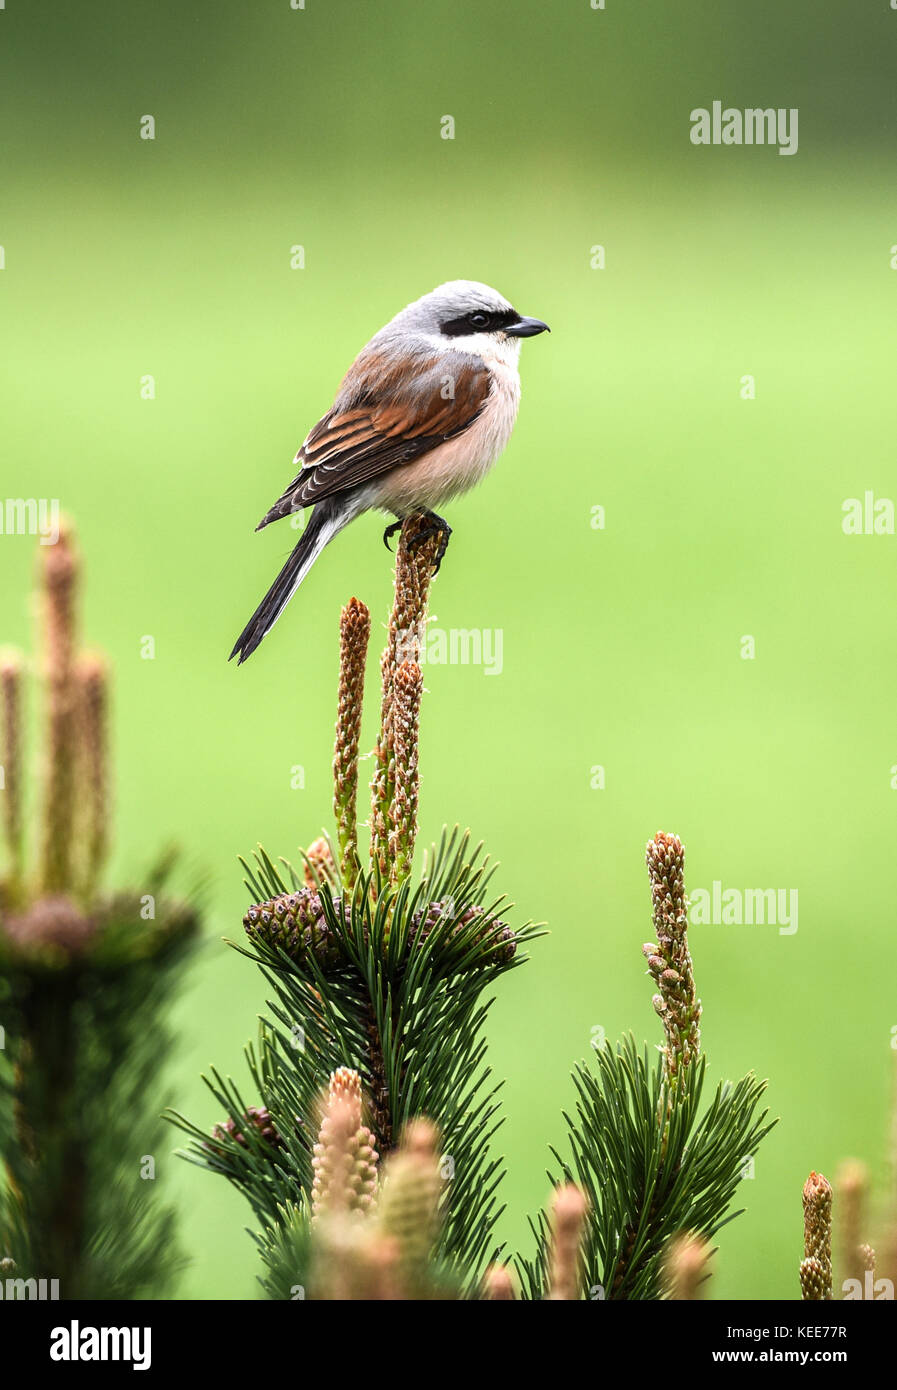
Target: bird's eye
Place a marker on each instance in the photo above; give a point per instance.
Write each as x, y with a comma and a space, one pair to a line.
478, 320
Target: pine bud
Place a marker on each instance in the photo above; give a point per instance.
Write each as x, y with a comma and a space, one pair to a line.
93, 814
685, 1267
319, 865
344, 1157
568, 1217
670, 962
851, 1183
407, 625
11, 760
817, 1201
60, 575
410, 1201
408, 688
355, 628
813, 1281
498, 1287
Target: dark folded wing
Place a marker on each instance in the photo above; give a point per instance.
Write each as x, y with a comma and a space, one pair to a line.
386, 416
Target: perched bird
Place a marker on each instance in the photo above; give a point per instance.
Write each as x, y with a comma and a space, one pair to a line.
421, 415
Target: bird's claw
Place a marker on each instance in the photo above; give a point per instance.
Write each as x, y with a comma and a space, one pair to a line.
434, 525
389, 532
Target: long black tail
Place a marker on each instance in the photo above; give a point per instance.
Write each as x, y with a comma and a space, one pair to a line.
324, 523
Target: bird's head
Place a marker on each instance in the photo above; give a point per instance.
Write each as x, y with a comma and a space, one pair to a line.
468, 316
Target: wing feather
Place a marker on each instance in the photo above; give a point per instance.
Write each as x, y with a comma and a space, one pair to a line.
383, 417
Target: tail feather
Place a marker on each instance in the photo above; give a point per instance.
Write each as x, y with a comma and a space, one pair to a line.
323, 525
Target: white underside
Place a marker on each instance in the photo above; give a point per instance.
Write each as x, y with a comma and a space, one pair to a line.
458, 464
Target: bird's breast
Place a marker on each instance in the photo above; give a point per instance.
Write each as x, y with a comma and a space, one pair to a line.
460, 463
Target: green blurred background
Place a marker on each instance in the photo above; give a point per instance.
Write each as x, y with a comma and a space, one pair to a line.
321, 127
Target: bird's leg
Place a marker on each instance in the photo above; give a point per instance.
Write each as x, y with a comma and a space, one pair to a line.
390, 532
433, 525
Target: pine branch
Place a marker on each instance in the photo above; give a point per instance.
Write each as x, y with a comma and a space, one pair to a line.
381, 1247
420, 975
650, 1161
377, 973
84, 979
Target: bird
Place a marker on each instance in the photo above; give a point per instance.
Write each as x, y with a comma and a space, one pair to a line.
421, 416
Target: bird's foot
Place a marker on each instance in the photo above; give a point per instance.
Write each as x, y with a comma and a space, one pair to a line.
390, 532
433, 525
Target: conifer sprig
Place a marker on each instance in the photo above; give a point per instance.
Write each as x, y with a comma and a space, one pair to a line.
567, 1227
405, 635
407, 690
498, 1286
85, 975
344, 1158
11, 695
60, 573
650, 1159
685, 1267
355, 629
379, 978
379, 973
92, 681
852, 1191
402, 1006
816, 1266
669, 961
381, 1247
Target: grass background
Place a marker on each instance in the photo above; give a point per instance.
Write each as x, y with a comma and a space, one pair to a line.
621, 647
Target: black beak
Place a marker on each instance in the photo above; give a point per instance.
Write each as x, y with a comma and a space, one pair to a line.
527, 328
